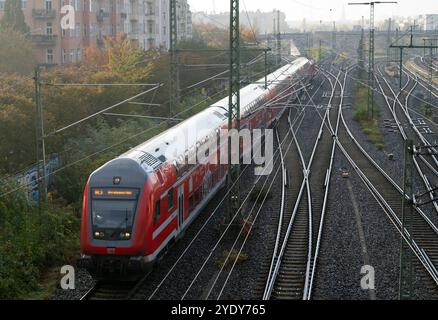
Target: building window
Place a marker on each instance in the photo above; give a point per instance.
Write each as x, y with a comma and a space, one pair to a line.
23, 4
49, 56
2, 5
79, 55
64, 56
72, 55
48, 5
49, 29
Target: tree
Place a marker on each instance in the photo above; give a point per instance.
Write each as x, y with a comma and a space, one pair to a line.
14, 17
16, 53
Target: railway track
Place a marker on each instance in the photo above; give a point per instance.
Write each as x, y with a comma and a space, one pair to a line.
107, 290
425, 165
422, 81
388, 194
293, 264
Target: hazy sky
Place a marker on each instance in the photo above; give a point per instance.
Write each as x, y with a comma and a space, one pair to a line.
320, 9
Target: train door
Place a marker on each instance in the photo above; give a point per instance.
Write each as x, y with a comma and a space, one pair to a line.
181, 206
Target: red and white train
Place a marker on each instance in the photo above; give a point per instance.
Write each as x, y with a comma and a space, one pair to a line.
137, 205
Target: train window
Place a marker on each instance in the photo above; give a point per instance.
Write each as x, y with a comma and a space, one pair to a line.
170, 199
191, 203
157, 211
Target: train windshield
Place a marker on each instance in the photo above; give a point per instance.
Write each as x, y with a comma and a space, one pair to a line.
113, 214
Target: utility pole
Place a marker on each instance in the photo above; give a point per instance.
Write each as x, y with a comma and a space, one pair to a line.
401, 69
278, 36
275, 34
406, 266
371, 55
40, 138
389, 41
319, 51
40, 145
233, 181
334, 36
307, 46
174, 68
266, 68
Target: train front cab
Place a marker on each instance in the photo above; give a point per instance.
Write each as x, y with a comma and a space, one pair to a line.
115, 220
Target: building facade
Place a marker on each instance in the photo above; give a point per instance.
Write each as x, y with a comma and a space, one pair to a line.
147, 22
431, 22
143, 21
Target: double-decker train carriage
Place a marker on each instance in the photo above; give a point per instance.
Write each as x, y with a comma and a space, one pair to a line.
137, 205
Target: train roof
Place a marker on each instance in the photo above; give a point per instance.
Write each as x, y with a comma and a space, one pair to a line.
154, 152
252, 91
160, 149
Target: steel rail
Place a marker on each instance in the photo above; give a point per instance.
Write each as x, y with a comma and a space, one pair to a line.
414, 128
326, 193
419, 252
273, 273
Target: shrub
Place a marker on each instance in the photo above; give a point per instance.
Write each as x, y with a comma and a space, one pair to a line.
31, 241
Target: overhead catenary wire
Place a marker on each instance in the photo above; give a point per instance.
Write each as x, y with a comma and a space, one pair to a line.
23, 186
104, 110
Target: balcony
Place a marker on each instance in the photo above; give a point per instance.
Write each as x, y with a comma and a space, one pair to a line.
44, 39
100, 16
43, 14
133, 16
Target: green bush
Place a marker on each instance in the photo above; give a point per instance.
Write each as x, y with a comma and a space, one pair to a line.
360, 114
32, 241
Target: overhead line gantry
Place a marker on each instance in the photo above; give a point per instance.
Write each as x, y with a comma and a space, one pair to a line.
371, 53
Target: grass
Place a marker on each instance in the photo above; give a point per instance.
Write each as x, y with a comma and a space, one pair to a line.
47, 284
420, 70
391, 71
360, 114
427, 110
341, 57
233, 256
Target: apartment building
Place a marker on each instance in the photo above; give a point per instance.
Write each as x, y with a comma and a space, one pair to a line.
431, 22
94, 19
147, 22
143, 21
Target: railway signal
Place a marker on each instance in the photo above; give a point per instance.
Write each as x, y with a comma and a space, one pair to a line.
371, 53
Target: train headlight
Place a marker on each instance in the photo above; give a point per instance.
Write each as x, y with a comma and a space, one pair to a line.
99, 235
125, 235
